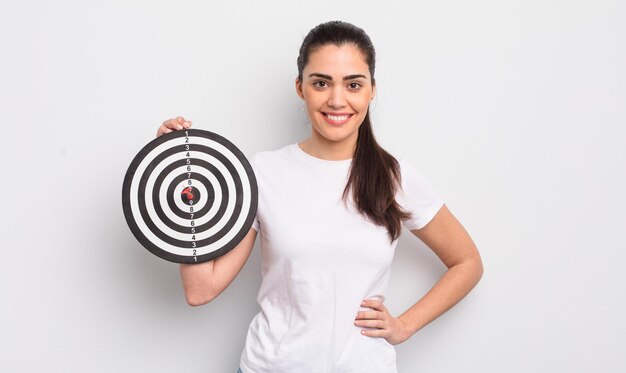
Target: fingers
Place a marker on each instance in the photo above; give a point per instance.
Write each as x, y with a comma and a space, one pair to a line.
369, 315
374, 328
370, 319
374, 304
378, 323
375, 322
382, 324
382, 333
173, 124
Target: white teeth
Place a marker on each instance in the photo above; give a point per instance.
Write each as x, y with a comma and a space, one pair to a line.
338, 118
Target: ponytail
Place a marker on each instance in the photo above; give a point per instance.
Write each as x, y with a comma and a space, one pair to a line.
374, 179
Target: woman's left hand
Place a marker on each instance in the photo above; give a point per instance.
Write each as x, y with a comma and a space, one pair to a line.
385, 325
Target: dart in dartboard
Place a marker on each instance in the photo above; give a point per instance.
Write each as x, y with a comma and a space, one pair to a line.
189, 196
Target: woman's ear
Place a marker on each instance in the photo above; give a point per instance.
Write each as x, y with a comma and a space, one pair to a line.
299, 88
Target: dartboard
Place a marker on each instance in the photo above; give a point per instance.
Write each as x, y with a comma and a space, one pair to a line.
190, 196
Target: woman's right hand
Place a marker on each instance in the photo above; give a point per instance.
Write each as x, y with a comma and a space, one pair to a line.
173, 124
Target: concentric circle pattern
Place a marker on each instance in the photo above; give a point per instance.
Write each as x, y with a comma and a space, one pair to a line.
190, 196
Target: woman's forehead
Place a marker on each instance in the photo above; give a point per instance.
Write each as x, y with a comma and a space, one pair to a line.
337, 61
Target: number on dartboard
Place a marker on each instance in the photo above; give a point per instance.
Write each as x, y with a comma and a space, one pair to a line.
189, 182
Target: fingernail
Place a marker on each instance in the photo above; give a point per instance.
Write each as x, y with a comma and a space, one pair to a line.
179, 127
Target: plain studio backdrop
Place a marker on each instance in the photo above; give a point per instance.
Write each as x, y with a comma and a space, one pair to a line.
513, 110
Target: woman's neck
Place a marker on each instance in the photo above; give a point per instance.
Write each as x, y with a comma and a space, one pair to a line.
329, 150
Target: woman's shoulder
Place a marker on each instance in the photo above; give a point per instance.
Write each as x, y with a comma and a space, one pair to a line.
405, 165
411, 175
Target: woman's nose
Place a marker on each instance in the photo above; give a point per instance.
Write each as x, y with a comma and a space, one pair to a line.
337, 99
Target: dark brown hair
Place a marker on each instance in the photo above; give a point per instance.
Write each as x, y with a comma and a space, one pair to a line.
374, 173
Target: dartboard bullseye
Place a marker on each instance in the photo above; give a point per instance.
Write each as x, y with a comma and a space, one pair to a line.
190, 196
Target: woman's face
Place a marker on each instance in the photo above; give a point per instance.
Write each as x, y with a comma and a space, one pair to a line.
337, 88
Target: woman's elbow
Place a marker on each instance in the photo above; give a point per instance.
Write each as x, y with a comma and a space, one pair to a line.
198, 298
478, 268
196, 301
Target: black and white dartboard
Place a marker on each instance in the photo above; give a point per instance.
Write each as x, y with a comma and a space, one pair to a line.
190, 196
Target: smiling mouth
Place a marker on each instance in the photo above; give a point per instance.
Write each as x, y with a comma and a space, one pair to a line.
337, 118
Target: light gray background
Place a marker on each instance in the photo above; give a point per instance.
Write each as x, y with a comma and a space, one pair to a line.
514, 110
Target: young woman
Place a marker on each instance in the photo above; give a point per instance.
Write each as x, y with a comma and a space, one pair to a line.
331, 209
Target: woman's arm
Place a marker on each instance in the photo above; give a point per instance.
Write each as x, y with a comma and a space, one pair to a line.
205, 281
447, 238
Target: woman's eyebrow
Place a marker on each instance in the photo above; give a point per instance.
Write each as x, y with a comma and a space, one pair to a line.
328, 77
354, 76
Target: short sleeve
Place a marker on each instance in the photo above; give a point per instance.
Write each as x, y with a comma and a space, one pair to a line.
256, 225
417, 197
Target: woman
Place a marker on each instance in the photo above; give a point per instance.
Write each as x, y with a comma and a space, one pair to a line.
331, 209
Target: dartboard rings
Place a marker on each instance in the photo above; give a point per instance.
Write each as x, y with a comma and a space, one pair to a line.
190, 196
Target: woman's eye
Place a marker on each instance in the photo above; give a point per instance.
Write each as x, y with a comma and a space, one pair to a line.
320, 84
354, 85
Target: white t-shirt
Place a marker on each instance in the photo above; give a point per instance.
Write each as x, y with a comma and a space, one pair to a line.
320, 259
